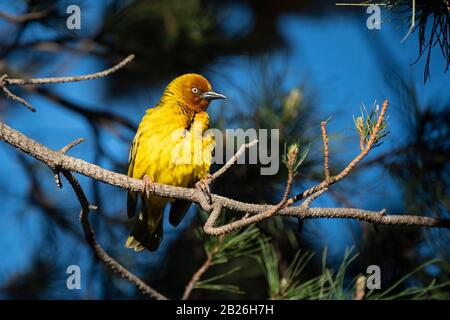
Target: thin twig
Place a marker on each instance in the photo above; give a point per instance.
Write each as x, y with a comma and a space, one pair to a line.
203, 185
232, 160
26, 17
313, 197
368, 146
35, 81
12, 96
325, 184
361, 141
74, 143
203, 268
65, 149
197, 275
98, 250
102, 117
210, 228
4, 80
326, 167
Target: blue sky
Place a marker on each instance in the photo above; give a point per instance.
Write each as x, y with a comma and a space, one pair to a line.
334, 56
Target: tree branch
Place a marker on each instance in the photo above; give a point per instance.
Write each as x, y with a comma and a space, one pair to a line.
370, 143
248, 219
5, 81
203, 268
74, 143
97, 249
54, 159
26, 17
197, 275
101, 74
326, 168
232, 160
12, 96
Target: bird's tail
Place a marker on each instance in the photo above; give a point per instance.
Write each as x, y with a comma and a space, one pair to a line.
148, 228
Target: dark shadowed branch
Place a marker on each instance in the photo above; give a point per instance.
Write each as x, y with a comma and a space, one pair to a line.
201, 271
26, 17
97, 249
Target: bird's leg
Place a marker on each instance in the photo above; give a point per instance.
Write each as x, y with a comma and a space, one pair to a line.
149, 187
203, 185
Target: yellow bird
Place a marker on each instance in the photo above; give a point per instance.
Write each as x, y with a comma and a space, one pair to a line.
170, 147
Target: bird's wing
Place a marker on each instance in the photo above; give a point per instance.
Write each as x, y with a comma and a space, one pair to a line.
132, 198
132, 195
133, 153
178, 210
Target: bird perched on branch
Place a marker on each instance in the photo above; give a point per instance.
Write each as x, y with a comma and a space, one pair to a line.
170, 147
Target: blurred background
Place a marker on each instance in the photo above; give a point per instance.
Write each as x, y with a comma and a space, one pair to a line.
283, 64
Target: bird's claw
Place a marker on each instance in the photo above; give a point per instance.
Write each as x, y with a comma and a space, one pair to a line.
203, 185
149, 187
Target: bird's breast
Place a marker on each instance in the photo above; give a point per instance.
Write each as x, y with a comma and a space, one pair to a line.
174, 150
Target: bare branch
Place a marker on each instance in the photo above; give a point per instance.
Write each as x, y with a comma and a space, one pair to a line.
313, 197
12, 96
98, 250
74, 143
203, 185
361, 141
55, 158
197, 275
35, 81
203, 268
326, 167
5, 81
370, 143
232, 160
26, 17
91, 114
65, 149
210, 228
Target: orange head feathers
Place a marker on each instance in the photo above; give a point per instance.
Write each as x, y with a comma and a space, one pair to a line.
193, 91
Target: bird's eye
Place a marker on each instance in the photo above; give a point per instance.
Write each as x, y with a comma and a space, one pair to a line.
194, 90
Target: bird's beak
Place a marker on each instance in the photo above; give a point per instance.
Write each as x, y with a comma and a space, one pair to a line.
211, 95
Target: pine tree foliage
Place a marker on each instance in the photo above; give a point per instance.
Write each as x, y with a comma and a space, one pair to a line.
290, 283
431, 19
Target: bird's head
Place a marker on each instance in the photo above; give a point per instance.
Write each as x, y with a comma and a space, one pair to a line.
193, 91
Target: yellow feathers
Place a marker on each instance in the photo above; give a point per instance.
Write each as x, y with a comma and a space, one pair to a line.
170, 148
